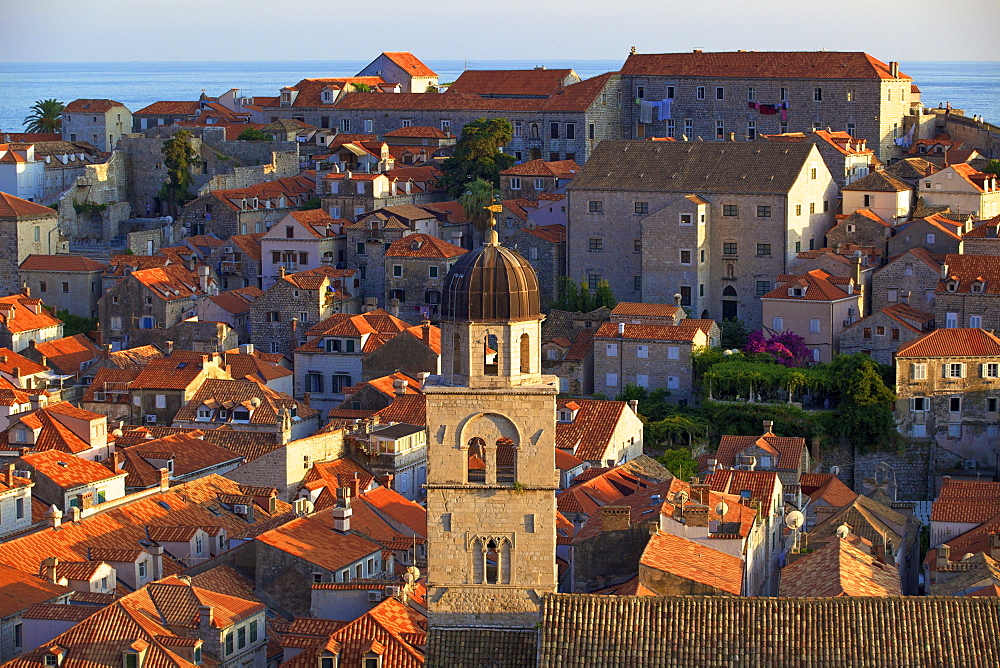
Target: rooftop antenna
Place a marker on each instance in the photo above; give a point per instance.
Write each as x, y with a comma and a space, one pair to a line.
834, 471
843, 531
794, 521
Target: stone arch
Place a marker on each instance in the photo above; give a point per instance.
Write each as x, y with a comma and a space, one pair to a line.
729, 291
491, 559
490, 427
525, 353
491, 355
476, 467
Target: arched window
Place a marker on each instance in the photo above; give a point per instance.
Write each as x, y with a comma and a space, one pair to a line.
730, 291
491, 560
534, 130
456, 355
525, 354
506, 462
477, 461
491, 355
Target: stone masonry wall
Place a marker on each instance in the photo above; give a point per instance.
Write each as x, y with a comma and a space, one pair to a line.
913, 468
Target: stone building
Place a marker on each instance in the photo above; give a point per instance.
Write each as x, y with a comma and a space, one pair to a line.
882, 333
964, 189
968, 292
22, 173
491, 476
300, 241
847, 158
238, 261
983, 239
164, 386
415, 267
63, 163
746, 93
909, 278
152, 299
644, 217
530, 179
68, 282
817, 307
863, 227
544, 246
100, 122
165, 112
936, 233
24, 319
650, 356
889, 198
946, 390
25, 228
312, 101
562, 122
350, 194
787, 456
413, 351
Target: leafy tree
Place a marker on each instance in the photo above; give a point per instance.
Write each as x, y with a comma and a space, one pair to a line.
45, 116
787, 348
569, 294
76, 324
177, 156
477, 155
586, 301
679, 462
604, 297
253, 134
992, 167
734, 333
363, 88
866, 417
477, 196
310, 204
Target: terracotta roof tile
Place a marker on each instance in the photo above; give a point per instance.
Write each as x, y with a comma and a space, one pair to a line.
966, 501
953, 342
65, 470
314, 540
424, 245
565, 169
78, 263
694, 561
839, 569
686, 332
165, 107
70, 354
760, 484
410, 63
590, 432
506, 83
91, 106
18, 314
217, 393
788, 448
640, 309
760, 65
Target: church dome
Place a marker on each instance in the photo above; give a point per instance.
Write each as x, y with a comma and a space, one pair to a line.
491, 283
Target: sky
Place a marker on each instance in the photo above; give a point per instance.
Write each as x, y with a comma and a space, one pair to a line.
211, 30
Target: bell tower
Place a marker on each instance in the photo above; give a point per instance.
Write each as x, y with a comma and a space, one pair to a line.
491, 477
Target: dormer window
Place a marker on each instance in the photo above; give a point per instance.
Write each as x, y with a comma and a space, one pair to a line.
204, 414
977, 287
952, 286
223, 415
327, 660
794, 292
241, 415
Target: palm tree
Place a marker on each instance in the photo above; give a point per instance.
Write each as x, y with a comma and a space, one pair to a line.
478, 196
45, 117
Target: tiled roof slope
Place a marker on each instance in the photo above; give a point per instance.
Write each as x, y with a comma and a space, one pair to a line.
969, 269
61, 263
511, 648
19, 590
641, 309
588, 435
66, 470
879, 181
966, 501
218, 392
953, 342
413, 65
839, 569
90, 106
686, 332
538, 82
818, 286
565, 169
695, 631
424, 245
694, 561
694, 167
180, 107
17, 314
787, 448
759, 65
69, 354
13, 208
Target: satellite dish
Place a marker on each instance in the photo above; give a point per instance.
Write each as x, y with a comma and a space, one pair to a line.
722, 509
680, 498
414, 571
967, 556
117, 433
795, 519
843, 531
530, 225
834, 470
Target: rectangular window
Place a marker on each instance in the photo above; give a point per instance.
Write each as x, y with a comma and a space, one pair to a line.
253, 631
642, 352
919, 372
553, 130
699, 93
751, 130
571, 131
595, 245
975, 321
611, 380
670, 128
764, 250
432, 271
595, 206
446, 126
241, 637
397, 270
229, 643
720, 130
751, 94
954, 370
814, 325
407, 122
368, 125
763, 287
778, 323
673, 353
763, 212
729, 248
593, 280
612, 350
919, 404
730, 210
817, 94
919, 431
991, 370
637, 283
642, 380
930, 237
812, 207
688, 128
590, 130
345, 125
161, 401
642, 208
515, 183
685, 295
991, 405
685, 256
951, 320
640, 92
673, 383
686, 219
720, 93
955, 404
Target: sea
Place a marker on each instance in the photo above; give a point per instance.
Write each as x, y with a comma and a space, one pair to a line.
971, 86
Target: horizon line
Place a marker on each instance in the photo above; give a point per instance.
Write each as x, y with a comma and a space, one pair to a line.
307, 60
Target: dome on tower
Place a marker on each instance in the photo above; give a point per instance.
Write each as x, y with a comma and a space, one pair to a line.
491, 283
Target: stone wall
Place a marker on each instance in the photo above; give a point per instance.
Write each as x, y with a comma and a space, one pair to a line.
610, 558
913, 467
103, 184
980, 135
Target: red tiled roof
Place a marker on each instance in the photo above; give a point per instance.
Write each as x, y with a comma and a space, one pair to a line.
535, 82
61, 263
760, 484
189, 452
90, 106
65, 470
641, 309
817, 285
966, 501
788, 449
69, 354
397, 507
826, 487
17, 314
165, 107
694, 561
685, 332
106, 375
589, 434
418, 131
760, 65
9, 360
171, 282
314, 540
839, 569
953, 342
410, 63
425, 246
554, 234
220, 393
564, 169
970, 269
176, 372
581, 345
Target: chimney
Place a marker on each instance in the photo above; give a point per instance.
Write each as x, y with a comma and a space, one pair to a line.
205, 618
696, 515
944, 271
732, 136
995, 545
203, 278
8, 475
700, 494
106, 351
394, 306
117, 459
634, 405
355, 486
615, 518
768, 426
164, 480
878, 550
425, 331
894, 69
422, 378
943, 556
156, 551
342, 511
399, 386
16, 372
85, 500
621, 329
407, 186
54, 517
246, 348
51, 565
74, 514
857, 273
168, 348
306, 398
281, 272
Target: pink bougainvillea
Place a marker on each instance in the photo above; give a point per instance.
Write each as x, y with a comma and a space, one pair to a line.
787, 348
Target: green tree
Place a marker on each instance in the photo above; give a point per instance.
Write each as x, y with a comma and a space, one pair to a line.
604, 297
679, 462
734, 333
76, 324
866, 417
992, 167
363, 88
253, 134
569, 294
310, 204
177, 156
477, 196
586, 300
45, 116
477, 155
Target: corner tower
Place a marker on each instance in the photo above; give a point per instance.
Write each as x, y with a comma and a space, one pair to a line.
491, 477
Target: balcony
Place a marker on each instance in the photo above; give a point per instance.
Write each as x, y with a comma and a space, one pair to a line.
231, 268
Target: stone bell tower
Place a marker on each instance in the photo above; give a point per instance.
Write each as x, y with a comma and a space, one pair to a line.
491, 477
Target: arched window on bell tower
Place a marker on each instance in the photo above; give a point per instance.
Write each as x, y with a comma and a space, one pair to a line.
525, 353
491, 355
506, 462
477, 461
